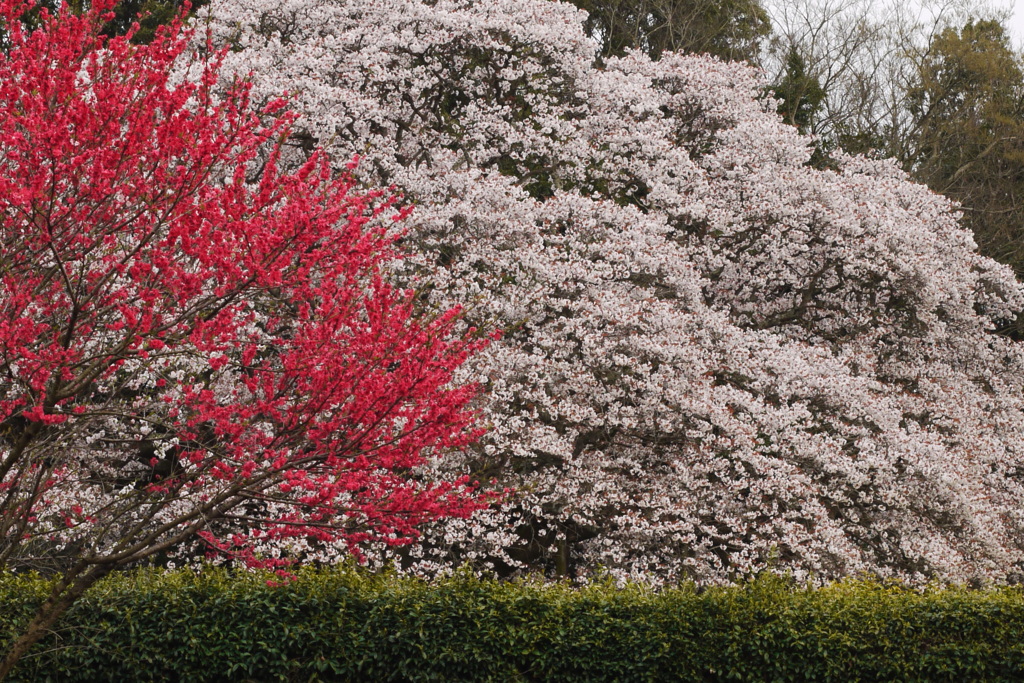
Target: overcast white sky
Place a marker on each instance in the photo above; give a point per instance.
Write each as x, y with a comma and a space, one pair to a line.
1013, 9
1017, 23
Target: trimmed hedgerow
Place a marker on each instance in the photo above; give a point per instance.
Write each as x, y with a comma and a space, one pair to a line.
347, 624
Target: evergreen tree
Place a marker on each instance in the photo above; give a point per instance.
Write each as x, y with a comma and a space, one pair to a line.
800, 94
968, 112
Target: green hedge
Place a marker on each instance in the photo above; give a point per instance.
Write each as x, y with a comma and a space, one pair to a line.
348, 624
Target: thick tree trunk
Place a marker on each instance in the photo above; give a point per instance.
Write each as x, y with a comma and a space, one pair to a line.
562, 557
71, 586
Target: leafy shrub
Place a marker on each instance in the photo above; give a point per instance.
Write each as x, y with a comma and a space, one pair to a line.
348, 624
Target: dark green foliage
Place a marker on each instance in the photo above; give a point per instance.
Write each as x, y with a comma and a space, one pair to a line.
801, 98
800, 94
348, 624
967, 106
150, 14
730, 29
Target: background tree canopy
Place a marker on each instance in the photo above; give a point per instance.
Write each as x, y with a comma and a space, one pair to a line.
967, 108
730, 29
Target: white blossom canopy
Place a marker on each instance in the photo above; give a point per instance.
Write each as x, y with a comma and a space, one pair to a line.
716, 358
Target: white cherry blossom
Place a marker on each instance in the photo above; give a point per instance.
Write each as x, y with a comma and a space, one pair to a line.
716, 359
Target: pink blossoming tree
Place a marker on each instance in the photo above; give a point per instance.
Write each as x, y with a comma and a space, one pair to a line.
195, 344
717, 359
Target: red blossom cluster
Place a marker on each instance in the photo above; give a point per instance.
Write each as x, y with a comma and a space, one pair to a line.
190, 336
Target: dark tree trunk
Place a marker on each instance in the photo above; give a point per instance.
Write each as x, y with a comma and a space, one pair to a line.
66, 591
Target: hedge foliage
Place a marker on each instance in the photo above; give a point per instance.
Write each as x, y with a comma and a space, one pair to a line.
346, 624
